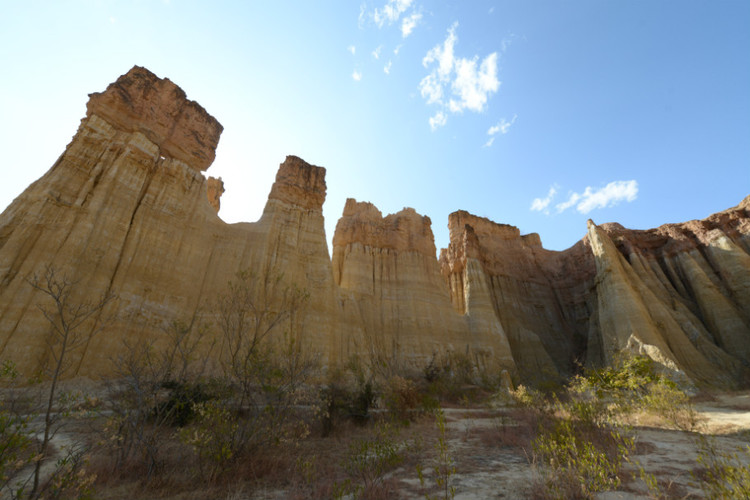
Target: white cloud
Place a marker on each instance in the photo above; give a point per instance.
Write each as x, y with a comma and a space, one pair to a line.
387, 68
443, 55
361, 18
474, 87
438, 120
542, 204
395, 51
561, 207
112, 20
409, 23
610, 195
431, 89
391, 12
502, 126
469, 82
489, 142
356, 76
376, 52
352, 49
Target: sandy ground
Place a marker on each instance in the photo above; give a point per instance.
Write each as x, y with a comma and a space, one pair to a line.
670, 455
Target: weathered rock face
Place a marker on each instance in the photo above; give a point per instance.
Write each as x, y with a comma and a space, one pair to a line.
677, 293
389, 280
140, 101
539, 297
214, 190
126, 209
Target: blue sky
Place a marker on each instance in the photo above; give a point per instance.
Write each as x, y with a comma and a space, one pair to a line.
540, 114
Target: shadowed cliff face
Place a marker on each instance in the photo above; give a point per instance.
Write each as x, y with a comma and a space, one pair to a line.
541, 298
126, 209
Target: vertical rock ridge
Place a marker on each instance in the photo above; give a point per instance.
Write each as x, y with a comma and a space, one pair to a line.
388, 273
537, 296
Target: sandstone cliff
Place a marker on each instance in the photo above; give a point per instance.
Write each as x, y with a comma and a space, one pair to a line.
539, 297
126, 208
389, 277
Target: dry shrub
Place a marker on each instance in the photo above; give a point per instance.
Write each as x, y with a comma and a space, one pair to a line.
402, 398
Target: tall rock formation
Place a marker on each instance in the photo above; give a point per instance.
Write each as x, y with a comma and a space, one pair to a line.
539, 297
668, 293
389, 268
127, 209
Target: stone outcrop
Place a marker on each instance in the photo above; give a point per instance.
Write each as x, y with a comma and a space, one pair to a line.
127, 209
541, 298
214, 190
668, 293
140, 101
389, 279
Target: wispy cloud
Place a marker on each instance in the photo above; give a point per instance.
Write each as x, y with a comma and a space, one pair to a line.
356, 76
542, 204
507, 42
361, 18
409, 23
391, 12
352, 49
438, 120
387, 68
469, 82
502, 126
591, 198
572, 200
376, 52
611, 194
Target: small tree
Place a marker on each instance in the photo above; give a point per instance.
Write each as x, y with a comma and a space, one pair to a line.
158, 383
72, 324
264, 364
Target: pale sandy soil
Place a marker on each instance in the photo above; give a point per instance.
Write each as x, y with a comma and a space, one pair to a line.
488, 468
671, 455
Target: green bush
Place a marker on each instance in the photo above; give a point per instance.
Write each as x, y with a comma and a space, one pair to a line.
370, 458
15, 436
726, 475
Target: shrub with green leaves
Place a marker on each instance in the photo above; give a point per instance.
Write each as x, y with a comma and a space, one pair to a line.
15, 436
727, 475
370, 458
573, 457
445, 466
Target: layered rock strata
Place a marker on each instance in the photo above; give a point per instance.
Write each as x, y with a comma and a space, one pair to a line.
127, 209
389, 278
541, 298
